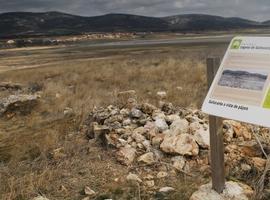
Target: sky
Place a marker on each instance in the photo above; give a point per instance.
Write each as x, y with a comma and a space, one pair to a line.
251, 9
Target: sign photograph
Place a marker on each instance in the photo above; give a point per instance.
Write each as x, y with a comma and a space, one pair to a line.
241, 88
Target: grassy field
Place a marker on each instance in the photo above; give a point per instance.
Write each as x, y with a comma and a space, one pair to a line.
82, 77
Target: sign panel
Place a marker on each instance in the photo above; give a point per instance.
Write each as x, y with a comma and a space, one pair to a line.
241, 88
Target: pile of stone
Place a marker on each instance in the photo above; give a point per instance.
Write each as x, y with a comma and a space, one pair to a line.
22, 103
142, 134
17, 98
145, 134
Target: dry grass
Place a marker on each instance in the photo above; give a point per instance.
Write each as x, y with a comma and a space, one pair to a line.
26, 142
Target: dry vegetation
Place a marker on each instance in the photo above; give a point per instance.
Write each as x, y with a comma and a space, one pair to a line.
27, 142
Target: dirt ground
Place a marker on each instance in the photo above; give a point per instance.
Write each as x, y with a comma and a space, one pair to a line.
80, 78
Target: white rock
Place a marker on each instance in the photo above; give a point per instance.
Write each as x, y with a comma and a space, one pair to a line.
136, 113
133, 178
172, 118
183, 144
180, 126
147, 158
161, 124
179, 88
202, 137
122, 142
68, 112
11, 42
194, 126
201, 133
89, 191
245, 167
166, 189
232, 191
40, 198
162, 94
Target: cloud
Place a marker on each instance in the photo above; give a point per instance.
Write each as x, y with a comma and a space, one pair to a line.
256, 10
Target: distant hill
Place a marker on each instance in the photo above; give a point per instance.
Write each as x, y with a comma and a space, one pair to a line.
198, 22
16, 24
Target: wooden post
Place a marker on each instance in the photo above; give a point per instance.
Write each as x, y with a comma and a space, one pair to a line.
216, 136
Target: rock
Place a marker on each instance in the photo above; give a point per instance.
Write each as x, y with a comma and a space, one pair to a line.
162, 94
147, 145
133, 178
202, 137
100, 132
179, 162
125, 112
151, 129
228, 134
259, 162
68, 112
166, 189
179, 126
245, 167
122, 142
179, 88
11, 42
40, 198
88, 191
157, 114
183, 144
232, 191
162, 175
161, 124
111, 140
156, 141
136, 113
111, 121
140, 130
239, 129
148, 108
126, 122
138, 137
100, 115
150, 184
172, 118
147, 158
21, 103
126, 155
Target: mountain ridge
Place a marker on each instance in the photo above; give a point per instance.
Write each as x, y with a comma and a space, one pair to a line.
16, 24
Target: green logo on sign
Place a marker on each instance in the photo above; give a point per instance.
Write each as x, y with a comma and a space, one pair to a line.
236, 44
